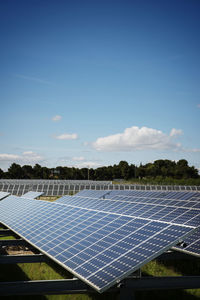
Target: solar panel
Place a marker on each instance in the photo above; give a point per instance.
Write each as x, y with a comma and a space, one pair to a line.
99, 247
183, 199
161, 197
155, 211
32, 195
49, 187
175, 207
192, 244
3, 195
92, 193
20, 186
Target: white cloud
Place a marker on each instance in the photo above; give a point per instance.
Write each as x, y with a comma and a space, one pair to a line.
31, 156
67, 136
28, 153
25, 157
78, 158
194, 150
8, 157
56, 118
175, 132
135, 138
87, 164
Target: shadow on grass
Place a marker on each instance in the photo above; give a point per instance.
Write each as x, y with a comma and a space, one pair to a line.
172, 294
60, 270
12, 273
15, 273
185, 267
164, 295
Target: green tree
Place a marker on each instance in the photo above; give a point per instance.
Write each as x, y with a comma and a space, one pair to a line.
15, 172
124, 170
38, 172
116, 172
132, 171
45, 173
141, 171
1, 173
28, 172
184, 171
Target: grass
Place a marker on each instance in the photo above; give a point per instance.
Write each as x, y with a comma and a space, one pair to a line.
37, 271
49, 198
6, 237
171, 268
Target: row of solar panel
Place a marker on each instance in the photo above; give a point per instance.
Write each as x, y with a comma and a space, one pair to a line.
99, 247
177, 199
59, 189
165, 206
29, 195
92, 182
176, 195
131, 204
156, 211
47, 181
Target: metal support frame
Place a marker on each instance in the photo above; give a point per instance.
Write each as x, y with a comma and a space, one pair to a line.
75, 286
160, 283
44, 287
18, 242
126, 294
16, 259
6, 232
175, 255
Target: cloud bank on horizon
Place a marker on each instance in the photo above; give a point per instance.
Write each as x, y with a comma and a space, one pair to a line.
24, 158
130, 140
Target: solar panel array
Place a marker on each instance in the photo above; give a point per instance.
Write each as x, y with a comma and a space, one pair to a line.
65, 187
99, 247
50, 187
175, 207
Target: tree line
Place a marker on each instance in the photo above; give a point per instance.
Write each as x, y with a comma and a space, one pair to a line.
158, 169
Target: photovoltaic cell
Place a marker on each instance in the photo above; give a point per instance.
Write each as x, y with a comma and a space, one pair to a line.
98, 247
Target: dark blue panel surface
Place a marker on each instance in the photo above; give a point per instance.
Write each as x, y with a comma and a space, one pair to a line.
97, 246
177, 207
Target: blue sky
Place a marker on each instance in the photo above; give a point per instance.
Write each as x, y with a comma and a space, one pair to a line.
90, 83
